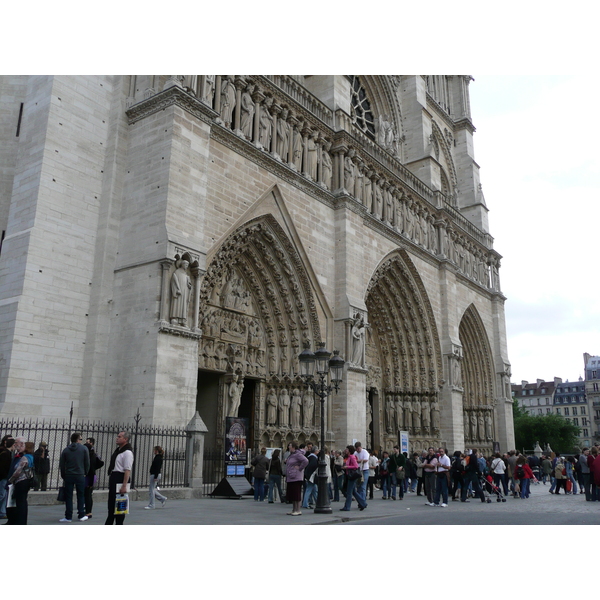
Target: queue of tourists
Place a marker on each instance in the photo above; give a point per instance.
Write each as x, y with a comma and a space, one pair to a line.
357, 475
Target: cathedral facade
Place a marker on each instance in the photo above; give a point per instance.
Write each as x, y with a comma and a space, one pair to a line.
172, 243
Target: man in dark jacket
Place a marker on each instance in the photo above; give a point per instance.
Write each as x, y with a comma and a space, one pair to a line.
472, 472
74, 465
310, 491
41, 466
5, 461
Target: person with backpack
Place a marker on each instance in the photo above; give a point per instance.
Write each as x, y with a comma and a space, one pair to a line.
524, 475
472, 472
560, 474
21, 478
74, 465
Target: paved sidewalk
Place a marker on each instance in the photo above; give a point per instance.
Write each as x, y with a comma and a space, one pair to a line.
541, 508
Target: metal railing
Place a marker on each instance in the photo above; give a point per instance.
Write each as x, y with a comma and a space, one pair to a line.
57, 435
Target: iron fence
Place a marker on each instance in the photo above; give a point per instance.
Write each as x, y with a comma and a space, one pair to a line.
57, 435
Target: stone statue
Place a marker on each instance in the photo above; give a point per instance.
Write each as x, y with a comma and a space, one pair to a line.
284, 408
272, 407
247, 107
297, 149
308, 404
311, 156
416, 416
399, 413
488, 426
235, 397
481, 424
407, 414
265, 127
227, 101
456, 373
283, 132
435, 415
348, 174
425, 416
473, 419
466, 424
209, 89
358, 341
295, 409
327, 167
389, 411
181, 286
378, 202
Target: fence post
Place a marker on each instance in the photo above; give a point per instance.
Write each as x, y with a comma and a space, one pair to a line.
195, 453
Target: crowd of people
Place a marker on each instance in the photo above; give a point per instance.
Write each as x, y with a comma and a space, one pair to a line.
22, 469
355, 474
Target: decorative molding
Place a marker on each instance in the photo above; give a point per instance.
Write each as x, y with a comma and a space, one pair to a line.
170, 97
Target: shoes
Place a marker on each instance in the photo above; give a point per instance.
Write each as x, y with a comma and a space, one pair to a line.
3, 517
384, 498
419, 494
163, 502
89, 515
270, 501
294, 514
362, 507
393, 497
65, 520
436, 505
345, 509
444, 505
430, 504
149, 507
465, 501
84, 518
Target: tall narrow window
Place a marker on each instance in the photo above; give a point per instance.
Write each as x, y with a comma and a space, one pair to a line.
361, 109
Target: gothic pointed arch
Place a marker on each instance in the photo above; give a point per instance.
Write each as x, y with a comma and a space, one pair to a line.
404, 348
443, 155
376, 95
257, 308
477, 378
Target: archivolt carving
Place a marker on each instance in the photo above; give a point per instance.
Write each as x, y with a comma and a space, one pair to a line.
477, 379
442, 142
405, 337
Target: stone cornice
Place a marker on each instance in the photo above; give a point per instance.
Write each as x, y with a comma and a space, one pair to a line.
465, 123
169, 97
165, 327
439, 111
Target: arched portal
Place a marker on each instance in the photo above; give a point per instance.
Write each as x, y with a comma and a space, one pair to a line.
403, 355
256, 309
477, 381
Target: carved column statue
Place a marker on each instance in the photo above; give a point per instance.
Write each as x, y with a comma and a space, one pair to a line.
234, 396
181, 286
271, 407
308, 408
284, 408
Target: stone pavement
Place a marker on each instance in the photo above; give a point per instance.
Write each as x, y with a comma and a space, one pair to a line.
541, 508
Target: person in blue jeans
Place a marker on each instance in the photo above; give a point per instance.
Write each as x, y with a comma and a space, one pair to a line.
261, 465
275, 474
441, 484
352, 467
74, 465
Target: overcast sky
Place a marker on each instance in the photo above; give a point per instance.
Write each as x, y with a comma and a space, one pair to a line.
539, 171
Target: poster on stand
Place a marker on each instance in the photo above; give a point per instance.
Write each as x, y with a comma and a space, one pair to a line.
403, 442
236, 453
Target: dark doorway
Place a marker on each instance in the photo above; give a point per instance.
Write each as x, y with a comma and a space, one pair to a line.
207, 403
246, 409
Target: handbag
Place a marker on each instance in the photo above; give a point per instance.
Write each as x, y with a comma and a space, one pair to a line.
61, 494
353, 474
122, 504
400, 473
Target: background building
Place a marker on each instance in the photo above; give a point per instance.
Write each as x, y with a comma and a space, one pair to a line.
170, 243
592, 384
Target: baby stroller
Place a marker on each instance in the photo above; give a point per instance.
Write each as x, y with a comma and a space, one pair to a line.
490, 489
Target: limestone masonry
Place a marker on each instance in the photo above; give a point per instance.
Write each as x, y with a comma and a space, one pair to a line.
170, 243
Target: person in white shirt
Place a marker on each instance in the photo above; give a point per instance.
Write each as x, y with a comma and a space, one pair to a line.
120, 472
362, 457
441, 485
373, 464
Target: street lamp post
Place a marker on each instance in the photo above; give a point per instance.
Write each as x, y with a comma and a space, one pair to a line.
323, 363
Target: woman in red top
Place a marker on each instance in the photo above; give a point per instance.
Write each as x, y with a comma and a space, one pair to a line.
527, 475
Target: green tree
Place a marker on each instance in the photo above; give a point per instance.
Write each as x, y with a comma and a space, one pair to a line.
545, 429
